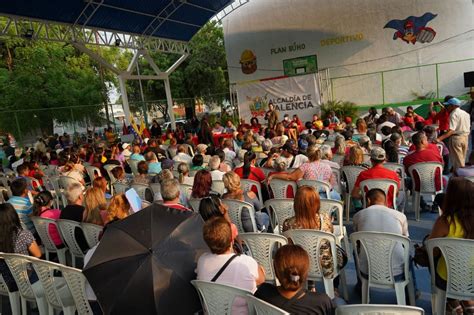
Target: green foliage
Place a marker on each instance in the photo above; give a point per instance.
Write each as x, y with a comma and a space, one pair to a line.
38, 76
341, 108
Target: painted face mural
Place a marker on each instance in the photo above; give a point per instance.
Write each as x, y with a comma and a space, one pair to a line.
248, 62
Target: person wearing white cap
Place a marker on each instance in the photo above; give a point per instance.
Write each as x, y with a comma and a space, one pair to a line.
126, 152
458, 133
201, 149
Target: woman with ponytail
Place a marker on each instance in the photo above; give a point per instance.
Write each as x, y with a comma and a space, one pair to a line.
42, 208
291, 264
249, 171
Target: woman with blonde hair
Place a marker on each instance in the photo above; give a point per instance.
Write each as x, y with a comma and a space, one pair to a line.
119, 208
234, 191
183, 174
94, 202
291, 264
355, 157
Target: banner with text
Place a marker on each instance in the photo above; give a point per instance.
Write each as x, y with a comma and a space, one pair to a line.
290, 95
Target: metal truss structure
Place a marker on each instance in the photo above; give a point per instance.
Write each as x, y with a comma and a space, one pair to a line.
230, 8
65, 33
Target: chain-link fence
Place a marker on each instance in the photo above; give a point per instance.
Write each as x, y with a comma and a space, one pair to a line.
28, 124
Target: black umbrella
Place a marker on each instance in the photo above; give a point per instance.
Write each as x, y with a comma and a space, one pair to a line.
144, 263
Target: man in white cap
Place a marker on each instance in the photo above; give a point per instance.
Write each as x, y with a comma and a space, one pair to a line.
126, 150
458, 133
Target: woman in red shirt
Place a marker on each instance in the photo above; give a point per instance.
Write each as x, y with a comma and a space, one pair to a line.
248, 170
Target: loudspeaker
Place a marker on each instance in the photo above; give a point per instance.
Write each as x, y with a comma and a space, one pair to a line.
469, 79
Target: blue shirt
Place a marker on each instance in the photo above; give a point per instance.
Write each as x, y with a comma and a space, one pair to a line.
137, 157
154, 168
24, 208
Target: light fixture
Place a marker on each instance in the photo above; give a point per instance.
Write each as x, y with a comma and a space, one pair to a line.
28, 33
118, 41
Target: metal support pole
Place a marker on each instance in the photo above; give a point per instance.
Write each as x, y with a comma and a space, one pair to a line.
145, 114
169, 101
437, 81
73, 121
383, 88
126, 107
113, 117
18, 128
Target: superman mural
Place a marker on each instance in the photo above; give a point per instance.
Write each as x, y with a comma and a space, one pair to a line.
413, 29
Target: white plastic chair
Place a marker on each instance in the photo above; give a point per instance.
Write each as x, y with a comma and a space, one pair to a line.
194, 203
384, 184
280, 210
120, 188
279, 187
426, 172
248, 184
318, 185
459, 257
311, 240
18, 265
335, 208
42, 227
261, 247
108, 168
67, 229
336, 172
13, 297
92, 233
66, 181
260, 307
59, 192
76, 283
235, 213
142, 191
267, 170
379, 309
378, 249
349, 174
93, 172
57, 293
400, 170
216, 298
338, 158
133, 166
218, 187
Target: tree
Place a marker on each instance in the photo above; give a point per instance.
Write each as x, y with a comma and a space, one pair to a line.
42, 75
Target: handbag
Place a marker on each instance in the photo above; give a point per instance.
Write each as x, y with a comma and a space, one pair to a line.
421, 254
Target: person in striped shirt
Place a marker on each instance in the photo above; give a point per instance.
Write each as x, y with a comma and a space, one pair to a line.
22, 203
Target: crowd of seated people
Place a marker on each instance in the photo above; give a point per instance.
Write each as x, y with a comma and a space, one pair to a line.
289, 150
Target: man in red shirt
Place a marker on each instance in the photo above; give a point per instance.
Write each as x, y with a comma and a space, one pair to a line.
422, 153
171, 195
377, 171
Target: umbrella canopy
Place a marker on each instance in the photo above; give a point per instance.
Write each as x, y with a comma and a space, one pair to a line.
144, 263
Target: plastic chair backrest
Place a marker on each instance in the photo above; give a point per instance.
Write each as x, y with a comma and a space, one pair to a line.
141, 190
281, 210
350, 173
66, 181
42, 227
338, 158
93, 172
384, 184
459, 257
311, 240
218, 187
333, 208
194, 203
45, 271
108, 168
186, 191
120, 188
399, 169
261, 247
18, 265
155, 187
67, 229
426, 172
235, 213
440, 148
248, 184
379, 309
133, 166
267, 170
3, 286
261, 307
378, 248
216, 298
279, 187
76, 283
318, 185
92, 233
